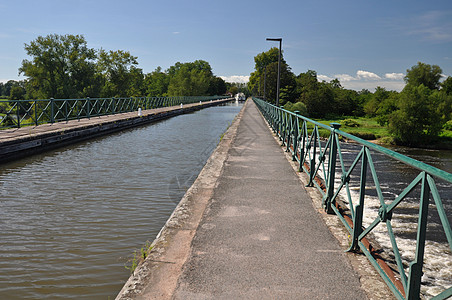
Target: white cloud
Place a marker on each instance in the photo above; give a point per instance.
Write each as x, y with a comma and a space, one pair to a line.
432, 26
390, 85
344, 77
367, 75
368, 80
176, 32
395, 76
236, 78
324, 78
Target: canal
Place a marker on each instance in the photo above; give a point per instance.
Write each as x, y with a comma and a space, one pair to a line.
71, 218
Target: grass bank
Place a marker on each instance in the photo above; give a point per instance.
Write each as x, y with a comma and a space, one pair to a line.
365, 128
369, 129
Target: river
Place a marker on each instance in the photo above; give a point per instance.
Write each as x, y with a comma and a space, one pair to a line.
394, 177
71, 218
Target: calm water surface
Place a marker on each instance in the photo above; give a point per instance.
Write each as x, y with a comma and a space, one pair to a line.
71, 218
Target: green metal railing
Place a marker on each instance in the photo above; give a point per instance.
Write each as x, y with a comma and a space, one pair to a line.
324, 159
18, 113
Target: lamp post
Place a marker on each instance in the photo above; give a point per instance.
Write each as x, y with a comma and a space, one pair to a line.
279, 67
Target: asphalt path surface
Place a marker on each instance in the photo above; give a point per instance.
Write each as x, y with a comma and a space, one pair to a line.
260, 236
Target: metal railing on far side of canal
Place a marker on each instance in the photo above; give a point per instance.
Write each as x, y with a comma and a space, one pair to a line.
18, 113
347, 187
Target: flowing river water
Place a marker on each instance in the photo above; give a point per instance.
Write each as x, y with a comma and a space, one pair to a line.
71, 218
394, 177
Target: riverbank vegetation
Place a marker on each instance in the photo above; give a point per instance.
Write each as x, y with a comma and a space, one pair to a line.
419, 115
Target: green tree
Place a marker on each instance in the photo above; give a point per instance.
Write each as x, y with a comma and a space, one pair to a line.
9, 85
136, 83
217, 86
156, 83
420, 115
422, 109
265, 58
233, 90
428, 75
266, 68
190, 79
386, 107
62, 66
373, 104
307, 81
446, 85
17, 93
318, 101
119, 72
346, 102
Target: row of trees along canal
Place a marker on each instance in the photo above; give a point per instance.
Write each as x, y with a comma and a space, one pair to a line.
418, 115
64, 67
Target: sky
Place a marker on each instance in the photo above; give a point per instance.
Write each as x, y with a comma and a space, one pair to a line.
363, 43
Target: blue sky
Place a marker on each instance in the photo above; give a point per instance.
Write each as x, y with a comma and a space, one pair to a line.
362, 43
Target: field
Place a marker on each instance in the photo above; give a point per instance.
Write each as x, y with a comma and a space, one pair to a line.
365, 128
369, 129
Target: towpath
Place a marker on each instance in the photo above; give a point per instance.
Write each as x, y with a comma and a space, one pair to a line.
248, 232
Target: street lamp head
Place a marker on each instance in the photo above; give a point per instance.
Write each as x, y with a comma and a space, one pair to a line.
274, 39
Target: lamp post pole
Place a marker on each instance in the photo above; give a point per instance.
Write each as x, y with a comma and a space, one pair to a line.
265, 79
279, 67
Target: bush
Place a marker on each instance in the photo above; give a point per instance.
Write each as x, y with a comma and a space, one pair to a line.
448, 125
298, 106
350, 123
365, 135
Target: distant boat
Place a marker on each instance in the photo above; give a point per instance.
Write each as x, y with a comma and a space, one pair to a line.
240, 97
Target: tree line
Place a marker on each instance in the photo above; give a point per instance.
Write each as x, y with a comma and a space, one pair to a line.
416, 115
64, 67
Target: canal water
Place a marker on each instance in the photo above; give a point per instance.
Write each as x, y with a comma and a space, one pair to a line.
71, 218
394, 177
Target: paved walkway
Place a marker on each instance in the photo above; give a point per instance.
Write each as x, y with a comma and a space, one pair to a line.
260, 237
246, 229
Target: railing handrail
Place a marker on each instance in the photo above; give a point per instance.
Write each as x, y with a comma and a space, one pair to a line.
320, 158
40, 111
388, 152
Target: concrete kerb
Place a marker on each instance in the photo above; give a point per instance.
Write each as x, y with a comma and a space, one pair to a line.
370, 280
156, 277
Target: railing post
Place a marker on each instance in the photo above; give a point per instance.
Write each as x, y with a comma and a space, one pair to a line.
295, 135
18, 113
88, 107
358, 220
415, 273
303, 143
52, 109
312, 166
281, 124
65, 110
36, 112
331, 169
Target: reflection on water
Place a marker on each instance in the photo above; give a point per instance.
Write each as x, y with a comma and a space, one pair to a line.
71, 218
